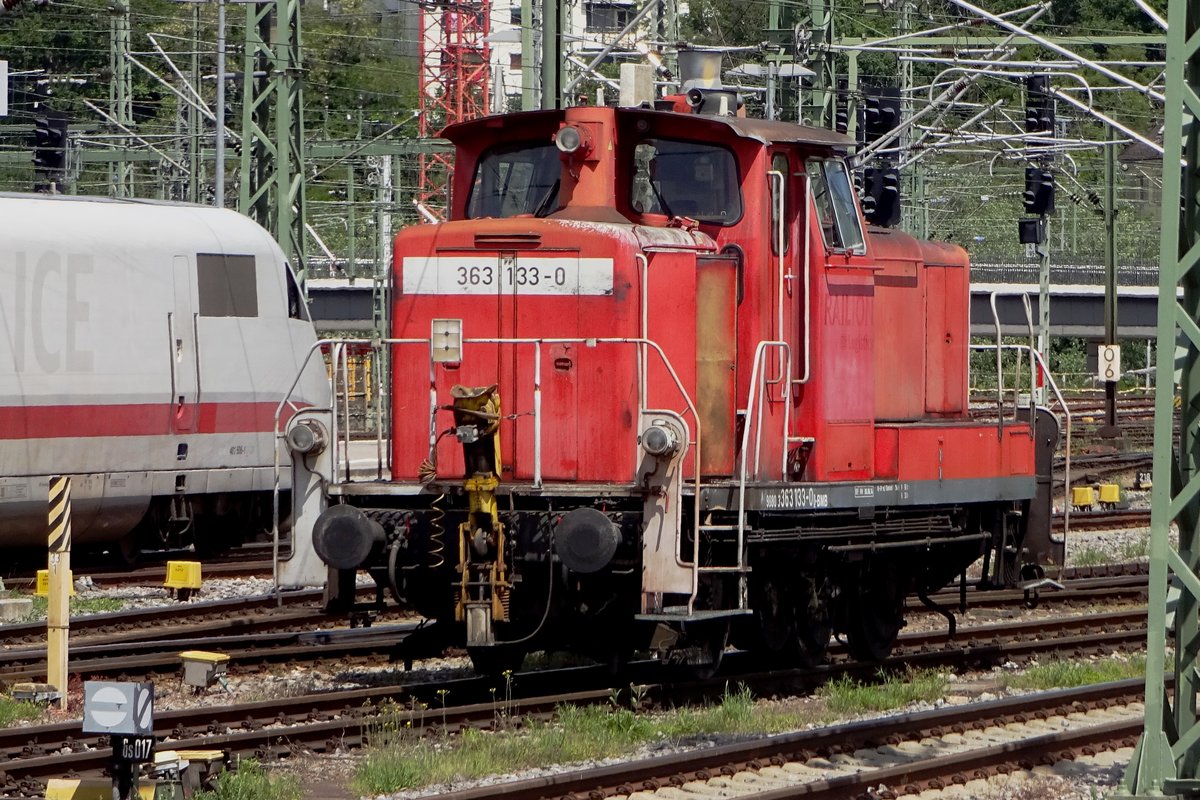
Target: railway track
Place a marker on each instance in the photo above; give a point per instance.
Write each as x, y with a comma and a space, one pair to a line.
245, 565
1105, 520
337, 720
891, 756
142, 623
256, 632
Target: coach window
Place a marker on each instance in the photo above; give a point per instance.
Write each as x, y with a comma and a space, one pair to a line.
833, 197
227, 285
686, 179
512, 179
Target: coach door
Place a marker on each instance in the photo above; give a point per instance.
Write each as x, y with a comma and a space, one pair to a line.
185, 363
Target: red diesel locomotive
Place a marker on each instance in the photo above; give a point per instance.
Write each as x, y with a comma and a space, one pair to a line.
656, 387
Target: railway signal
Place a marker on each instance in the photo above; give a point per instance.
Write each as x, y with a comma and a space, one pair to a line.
1038, 197
882, 186
1039, 191
881, 113
1039, 105
49, 149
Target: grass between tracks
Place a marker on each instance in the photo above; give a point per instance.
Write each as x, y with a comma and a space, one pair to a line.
1068, 674
251, 782
398, 758
1088, 556
79, 606
16, 710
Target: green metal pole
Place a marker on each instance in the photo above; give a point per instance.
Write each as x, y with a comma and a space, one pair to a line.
351, 226
552, 54
1165, 761
1043, 342
1110, 429
120, 96
824, 82
530, 70
193, 115
852, 95
781, 20
272, 163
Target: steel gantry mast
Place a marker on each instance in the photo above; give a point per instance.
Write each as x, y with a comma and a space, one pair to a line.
1167, 757
272, 165
454, 86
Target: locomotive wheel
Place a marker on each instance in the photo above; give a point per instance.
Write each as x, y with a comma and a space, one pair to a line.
129, 549
497, 659
875, 617
793, 621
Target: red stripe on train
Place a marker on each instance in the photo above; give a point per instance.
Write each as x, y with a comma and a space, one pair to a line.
135, 419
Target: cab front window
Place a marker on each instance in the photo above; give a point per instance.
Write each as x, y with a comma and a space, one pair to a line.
513, 179
677, 178
833, 198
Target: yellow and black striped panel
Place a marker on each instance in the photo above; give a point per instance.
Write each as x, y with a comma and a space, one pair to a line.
60, 514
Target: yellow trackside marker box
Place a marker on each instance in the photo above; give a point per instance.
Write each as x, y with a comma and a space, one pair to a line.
91, 789
1110, 493
202, 668
1083, 496
183, 575
43, 583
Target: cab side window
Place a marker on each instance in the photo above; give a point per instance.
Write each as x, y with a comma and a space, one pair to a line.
833, 199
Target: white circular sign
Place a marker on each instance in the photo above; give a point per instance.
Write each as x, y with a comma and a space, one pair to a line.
112, 716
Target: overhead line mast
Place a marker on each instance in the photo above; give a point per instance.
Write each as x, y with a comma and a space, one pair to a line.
1167, 758
454, 86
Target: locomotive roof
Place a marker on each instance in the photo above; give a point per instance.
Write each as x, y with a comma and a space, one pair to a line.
761, 130
87, 198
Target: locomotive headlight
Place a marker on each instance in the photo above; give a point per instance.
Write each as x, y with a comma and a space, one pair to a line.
660, 441
307, 438
569, 139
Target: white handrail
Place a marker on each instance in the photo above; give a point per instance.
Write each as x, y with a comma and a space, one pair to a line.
757, 389
1066, 412
780, 228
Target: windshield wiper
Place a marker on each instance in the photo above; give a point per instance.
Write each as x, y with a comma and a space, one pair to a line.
543, 208
662, 201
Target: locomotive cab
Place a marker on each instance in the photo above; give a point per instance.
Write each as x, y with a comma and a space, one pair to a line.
656, 387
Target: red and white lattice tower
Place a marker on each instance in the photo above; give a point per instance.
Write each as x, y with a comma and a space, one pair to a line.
455, 77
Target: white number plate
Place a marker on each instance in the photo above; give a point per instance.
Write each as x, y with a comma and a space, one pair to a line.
491, 275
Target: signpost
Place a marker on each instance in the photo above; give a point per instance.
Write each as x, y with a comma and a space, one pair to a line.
58, 613
124, 711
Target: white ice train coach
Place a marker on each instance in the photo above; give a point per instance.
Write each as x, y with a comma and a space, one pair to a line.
145, 348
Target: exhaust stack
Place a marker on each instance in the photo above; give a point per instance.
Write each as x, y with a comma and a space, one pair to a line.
700, 82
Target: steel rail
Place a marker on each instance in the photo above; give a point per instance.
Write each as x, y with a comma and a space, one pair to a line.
36, 753
704, 764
